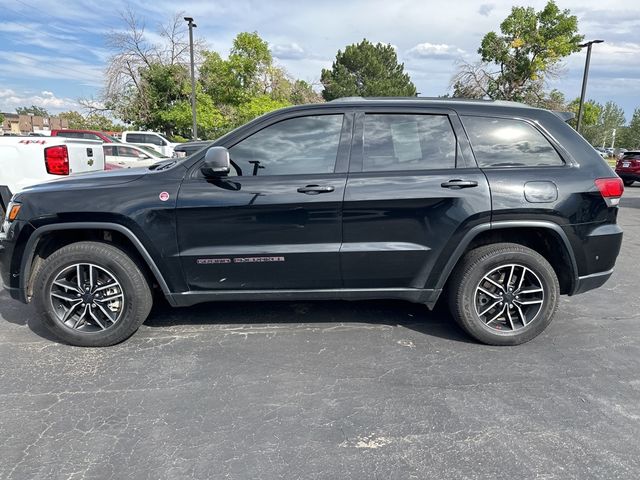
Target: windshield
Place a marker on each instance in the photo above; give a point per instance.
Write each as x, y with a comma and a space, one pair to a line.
151, 151
112, 139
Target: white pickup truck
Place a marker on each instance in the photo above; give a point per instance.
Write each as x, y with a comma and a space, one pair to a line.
27, 161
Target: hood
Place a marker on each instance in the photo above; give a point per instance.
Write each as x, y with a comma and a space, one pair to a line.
89, 180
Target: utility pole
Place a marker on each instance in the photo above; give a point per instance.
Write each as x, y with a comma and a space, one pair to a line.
193, 79
584, 79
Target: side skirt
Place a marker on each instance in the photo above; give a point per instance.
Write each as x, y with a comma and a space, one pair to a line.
415, 295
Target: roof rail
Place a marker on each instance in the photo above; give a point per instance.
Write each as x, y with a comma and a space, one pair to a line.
433, 99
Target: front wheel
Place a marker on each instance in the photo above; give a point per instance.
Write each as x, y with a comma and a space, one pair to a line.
628, 183
91, 294
503, 294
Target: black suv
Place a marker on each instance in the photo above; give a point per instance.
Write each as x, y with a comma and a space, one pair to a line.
502, 206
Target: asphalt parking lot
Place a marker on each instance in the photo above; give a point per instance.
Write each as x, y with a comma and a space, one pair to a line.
330, 390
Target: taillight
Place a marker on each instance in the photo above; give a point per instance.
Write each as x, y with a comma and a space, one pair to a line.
611, 189
56, 159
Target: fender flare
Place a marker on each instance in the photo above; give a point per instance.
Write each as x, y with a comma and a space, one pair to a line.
29, 251
475, 231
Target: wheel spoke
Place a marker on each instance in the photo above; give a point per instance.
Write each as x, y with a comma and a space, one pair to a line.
497, 316
106, 313
67, 297
70, 311
510, 319
524, 274
513, 267
489, 308
79, 276
487, 292
528, 302
67, 285
110, 298
96, 319
81, 318
532, 290
104, 287
523, 319
90, 277
487, 278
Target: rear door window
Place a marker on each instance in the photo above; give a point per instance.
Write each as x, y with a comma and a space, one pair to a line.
135, 138
501, 142
408, 142
154, 140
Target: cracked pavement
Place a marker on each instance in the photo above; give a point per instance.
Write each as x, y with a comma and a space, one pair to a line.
331, 390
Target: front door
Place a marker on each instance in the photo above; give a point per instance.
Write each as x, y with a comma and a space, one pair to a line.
275, 221
413, 191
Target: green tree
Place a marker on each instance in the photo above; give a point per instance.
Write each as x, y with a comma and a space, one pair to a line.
257, 106
630, 136
611, 118
515, 62
368, 70
75, 119
33, 110
591, 111
1, 119
211, 123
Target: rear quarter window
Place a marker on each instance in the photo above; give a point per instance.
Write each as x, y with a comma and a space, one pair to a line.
500, 142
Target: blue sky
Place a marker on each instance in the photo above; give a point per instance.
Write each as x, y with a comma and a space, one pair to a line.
53, 52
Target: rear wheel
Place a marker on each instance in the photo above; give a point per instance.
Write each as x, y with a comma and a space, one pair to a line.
503, 294
91, 294
628, 183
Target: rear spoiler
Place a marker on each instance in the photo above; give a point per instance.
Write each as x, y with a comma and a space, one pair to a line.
5, 197
565, 116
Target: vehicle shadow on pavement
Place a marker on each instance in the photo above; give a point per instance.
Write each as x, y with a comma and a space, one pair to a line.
23, 315
437, 323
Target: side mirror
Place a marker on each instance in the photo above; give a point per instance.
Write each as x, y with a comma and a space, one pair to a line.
142, 156
216, 162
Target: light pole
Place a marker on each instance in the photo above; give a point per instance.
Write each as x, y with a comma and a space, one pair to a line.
584, 79
193, 78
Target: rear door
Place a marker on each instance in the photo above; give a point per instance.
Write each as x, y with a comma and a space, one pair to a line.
276, 221
413, 191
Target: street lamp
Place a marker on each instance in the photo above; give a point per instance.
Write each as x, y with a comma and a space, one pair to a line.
584, 79
193, 78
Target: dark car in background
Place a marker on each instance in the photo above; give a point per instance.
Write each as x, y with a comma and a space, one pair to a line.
499, 206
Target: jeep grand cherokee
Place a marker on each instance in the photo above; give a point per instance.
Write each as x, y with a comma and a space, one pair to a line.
502, 206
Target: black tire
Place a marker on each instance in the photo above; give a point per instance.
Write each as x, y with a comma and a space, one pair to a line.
472, 270
628, 183
136, 293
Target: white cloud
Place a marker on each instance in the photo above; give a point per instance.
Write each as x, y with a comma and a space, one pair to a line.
435, 51
10, 99
288, 51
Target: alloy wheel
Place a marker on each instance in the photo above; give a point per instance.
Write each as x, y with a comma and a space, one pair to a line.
509, 297
87, 298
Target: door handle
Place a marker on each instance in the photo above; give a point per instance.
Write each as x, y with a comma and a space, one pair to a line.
457, 183
316, 189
